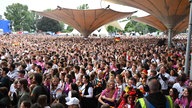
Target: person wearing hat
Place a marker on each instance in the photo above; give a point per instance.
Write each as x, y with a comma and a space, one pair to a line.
73, 103
128, 99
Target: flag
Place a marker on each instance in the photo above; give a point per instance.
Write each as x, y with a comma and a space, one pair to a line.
117, 39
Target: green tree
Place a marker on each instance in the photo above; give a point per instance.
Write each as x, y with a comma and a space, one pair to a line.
46, 24
69, 29
62, 24
30, 22
21, 18
112, 29
83, 7
151, 29
140, 28
130, 26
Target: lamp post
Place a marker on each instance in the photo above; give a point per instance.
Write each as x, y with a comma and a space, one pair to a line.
188, 40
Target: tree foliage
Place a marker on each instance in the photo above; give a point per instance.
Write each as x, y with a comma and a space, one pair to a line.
133, 26
112, 29
151, 29
69, 29
141, 28
21, 18
130, 26
46, 24
83, 7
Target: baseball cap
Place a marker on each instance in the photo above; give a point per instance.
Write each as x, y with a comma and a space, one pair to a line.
73, 101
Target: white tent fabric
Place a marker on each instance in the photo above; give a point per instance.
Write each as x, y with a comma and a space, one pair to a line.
114, 24
75, 33
123, 23
118, 24
85, 21
101, 32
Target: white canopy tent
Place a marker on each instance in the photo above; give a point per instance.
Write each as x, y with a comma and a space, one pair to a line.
75, 33
101, 32
118, 24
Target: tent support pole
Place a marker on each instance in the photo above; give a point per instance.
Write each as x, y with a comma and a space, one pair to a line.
188, 41
170, 37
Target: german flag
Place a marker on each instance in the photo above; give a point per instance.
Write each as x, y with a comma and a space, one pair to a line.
117, 39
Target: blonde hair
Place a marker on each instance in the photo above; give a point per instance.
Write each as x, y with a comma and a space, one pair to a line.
109, 82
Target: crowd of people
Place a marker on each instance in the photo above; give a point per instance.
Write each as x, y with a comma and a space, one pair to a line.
73, 72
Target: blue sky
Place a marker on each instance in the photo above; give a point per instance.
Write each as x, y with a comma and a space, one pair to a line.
40, 5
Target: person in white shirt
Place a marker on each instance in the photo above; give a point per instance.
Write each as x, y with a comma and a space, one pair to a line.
120, 86
153, 67
29, 65
163, 79
48, 67
155, 58
173, 78
87, 93
180, 83
76, 70
32, 70
12, 74
89, 69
